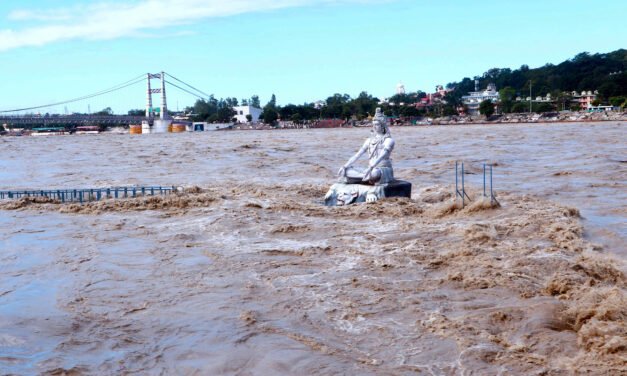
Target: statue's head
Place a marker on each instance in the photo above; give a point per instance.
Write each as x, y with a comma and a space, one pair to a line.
378, 126
379, 122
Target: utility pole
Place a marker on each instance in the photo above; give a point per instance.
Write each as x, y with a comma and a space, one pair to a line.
530, 99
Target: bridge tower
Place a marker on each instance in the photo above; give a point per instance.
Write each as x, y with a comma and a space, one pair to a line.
152, 125
149, 92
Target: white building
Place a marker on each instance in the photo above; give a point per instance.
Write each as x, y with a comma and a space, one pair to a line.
242, 111
474, 98
400, 88
319, 104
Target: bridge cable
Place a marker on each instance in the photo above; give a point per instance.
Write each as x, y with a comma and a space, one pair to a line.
185, 90
102, 92
200, 91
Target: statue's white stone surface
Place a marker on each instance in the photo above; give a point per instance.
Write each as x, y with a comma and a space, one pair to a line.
379, 147
367, 185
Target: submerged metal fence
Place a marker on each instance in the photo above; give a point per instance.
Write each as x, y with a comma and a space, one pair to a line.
460, 189
90, 194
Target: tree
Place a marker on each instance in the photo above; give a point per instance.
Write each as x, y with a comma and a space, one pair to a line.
409, 111
453, 99
617, 101
225, 109
543, 107
270, 116
270, 113
296, 118
137, 112
2, 128
249, 118
575, 107
104, 112
609, 89
449, 110
562, 99
272, 102
507, 96
254, 101
486, 108
606, 73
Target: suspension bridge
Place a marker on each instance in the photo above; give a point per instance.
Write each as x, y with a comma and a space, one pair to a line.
28, 117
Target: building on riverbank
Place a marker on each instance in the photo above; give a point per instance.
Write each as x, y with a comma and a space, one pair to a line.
242, 111
584, 99
474, 98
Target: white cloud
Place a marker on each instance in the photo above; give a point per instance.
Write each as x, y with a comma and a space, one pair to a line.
111, 20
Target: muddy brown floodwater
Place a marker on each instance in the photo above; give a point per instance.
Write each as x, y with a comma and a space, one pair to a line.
246, 273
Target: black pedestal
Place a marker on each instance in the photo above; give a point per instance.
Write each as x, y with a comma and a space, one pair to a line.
398, 188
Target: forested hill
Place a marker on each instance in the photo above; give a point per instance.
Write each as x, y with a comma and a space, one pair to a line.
606, 73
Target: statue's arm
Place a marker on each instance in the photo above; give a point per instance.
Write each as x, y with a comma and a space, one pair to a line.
352, 159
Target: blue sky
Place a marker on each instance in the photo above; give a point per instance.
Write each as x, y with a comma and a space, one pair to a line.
300, 50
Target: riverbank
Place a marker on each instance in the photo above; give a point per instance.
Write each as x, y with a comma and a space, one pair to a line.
526, 118
520, 118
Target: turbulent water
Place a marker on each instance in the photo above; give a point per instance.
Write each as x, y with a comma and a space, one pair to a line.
248, 273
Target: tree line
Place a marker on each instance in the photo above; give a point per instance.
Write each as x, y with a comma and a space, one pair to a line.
606, 73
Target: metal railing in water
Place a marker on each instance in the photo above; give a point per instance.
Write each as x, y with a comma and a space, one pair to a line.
460, 189
89, 194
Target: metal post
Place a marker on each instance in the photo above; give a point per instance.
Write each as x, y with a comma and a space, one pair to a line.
456, 186
484, 180
491, 194
463, 188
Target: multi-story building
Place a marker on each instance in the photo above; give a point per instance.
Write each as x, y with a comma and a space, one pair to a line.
474, 98
242, 111
584, 99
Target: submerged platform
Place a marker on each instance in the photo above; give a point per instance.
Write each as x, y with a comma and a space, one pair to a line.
341, 194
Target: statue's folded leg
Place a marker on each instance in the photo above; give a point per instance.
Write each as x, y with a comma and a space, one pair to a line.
353, 175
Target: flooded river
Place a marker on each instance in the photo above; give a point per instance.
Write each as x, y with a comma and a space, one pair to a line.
248, 273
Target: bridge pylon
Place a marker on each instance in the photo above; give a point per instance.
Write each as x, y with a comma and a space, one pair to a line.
163, 110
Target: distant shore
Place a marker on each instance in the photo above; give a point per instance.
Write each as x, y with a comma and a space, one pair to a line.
548, 117
519, 118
